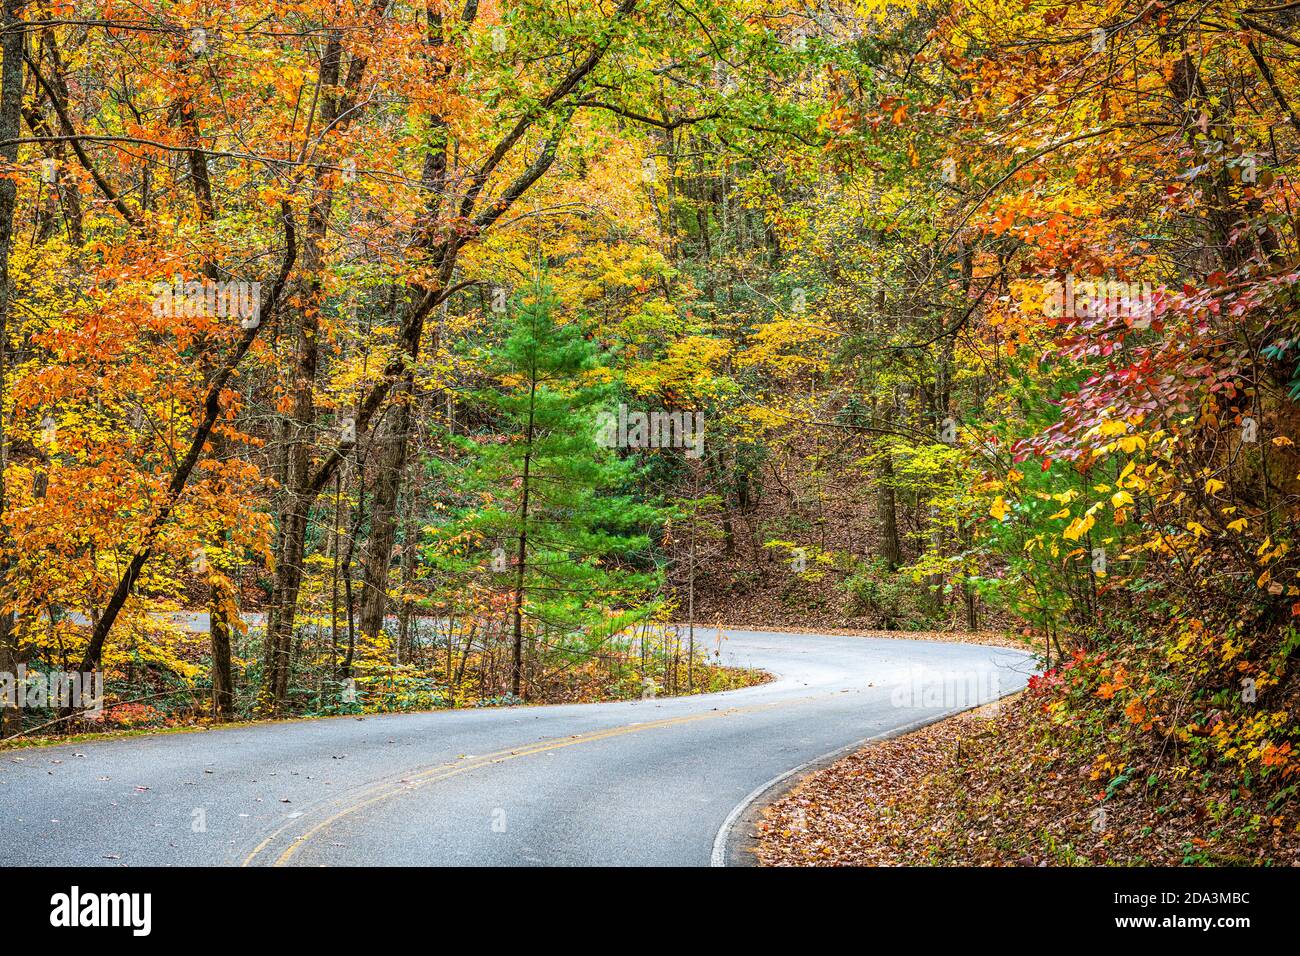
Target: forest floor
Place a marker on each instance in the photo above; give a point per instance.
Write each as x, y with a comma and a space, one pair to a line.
994, 787
991, 638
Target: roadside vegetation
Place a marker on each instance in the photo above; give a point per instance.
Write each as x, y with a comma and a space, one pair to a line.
1008, 786
450, 668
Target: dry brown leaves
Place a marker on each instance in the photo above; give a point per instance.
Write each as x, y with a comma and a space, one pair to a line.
988, 788
993, 638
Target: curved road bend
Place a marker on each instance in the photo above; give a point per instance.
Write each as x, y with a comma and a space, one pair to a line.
635, 783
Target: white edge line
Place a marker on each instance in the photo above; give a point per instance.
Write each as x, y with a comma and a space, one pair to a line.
720, 842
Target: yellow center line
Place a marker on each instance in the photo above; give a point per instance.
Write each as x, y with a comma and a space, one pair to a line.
370, 789
384, 790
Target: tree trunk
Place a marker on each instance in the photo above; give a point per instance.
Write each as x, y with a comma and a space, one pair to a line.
11, 96
517, 655
221, 600
407, 631
383, 513
284, 604
887, 512
277, 649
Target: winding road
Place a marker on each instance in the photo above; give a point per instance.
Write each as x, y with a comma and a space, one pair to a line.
653, 782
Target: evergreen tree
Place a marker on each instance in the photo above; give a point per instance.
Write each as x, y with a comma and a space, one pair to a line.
548, 515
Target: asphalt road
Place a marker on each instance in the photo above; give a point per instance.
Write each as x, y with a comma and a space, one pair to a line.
638, 783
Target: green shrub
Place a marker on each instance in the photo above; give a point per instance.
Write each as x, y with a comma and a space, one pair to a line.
884, 595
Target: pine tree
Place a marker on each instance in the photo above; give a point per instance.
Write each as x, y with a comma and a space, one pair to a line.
551, 520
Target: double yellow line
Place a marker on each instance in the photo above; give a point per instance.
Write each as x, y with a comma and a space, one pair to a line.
385, 790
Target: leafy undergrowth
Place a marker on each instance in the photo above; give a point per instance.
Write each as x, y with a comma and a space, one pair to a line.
991, 638
401, 689
1019, 784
